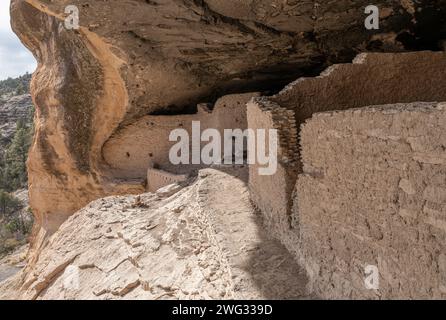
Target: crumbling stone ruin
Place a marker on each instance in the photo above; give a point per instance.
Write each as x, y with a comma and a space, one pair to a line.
369, 166
372, 193
157, 179
132, 148
360, 178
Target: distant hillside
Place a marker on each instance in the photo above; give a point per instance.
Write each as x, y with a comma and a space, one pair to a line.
16, 130
15, 107
16, 86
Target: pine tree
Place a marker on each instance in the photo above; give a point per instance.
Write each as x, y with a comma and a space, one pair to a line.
8, 204
14, 174
20, 89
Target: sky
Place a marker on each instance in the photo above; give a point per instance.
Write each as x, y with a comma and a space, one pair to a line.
15, 59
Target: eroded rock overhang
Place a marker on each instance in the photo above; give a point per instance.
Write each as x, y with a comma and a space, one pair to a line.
134, 58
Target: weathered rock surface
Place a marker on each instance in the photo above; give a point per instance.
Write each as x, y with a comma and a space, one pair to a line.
12, 263
133, 58
203, 242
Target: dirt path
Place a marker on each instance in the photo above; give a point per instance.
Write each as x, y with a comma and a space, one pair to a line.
261, 267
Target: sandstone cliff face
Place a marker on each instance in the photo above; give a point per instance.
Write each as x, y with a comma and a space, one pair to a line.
133, 58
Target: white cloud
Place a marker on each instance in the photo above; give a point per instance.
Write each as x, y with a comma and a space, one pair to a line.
15, 59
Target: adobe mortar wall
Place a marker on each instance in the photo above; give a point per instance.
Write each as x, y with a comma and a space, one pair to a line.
349, 208
373, 192
272, 194
157, 179
372, 79
145, 141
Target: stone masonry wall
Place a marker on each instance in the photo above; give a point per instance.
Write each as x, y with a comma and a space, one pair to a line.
130, 151
372, 183
157, 179
373, 192
372, 79
272, 193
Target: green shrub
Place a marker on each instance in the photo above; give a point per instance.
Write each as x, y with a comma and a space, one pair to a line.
9, 245
13, 173
18, 85
14, 222
18, 224
8, 204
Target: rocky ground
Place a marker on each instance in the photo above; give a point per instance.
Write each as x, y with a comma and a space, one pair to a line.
13, 263
203, 241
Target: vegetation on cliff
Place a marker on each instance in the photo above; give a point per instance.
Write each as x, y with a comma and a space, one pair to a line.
13, 175
15, 86
15, 218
